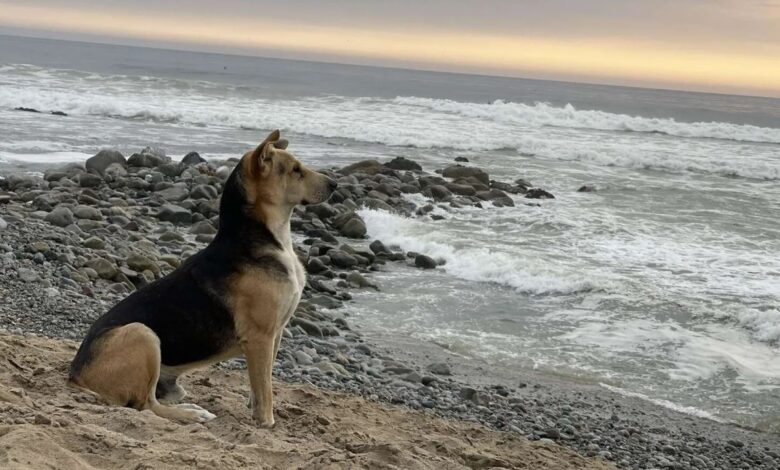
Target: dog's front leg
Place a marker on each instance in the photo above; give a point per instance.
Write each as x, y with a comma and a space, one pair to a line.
259, 352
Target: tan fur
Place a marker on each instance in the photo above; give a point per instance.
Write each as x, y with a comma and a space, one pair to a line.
127, 366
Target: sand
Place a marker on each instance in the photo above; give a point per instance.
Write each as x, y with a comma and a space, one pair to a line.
45, 424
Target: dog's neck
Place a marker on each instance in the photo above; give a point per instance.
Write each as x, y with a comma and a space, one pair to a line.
277, 219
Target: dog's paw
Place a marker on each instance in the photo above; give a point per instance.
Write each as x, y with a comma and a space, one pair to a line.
204, 416
266, 423
199, 414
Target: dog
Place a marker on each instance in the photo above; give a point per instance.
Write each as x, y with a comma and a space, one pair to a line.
233, 297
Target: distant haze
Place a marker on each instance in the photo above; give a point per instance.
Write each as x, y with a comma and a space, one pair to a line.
729, 46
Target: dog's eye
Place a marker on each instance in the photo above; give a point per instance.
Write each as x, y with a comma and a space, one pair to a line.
297, 169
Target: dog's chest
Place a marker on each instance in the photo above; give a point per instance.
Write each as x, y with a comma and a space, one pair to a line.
294, 286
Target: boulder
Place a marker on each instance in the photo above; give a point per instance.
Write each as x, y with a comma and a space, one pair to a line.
538, 193
439, 368
102, 160
354, 228
460, 171
342, 259
193, 158
87, 212
461, 159
175, 214
177, 192
204, 191
401, 163
425, 262
3, 224
148, 158
140, 263
60, 216
378, 247
115, 172
437, 192
88, 180
588, 188
369, 167
104, 268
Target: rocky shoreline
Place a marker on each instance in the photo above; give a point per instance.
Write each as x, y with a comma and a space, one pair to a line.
80, 238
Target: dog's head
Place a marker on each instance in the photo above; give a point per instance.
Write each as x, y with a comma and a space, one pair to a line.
273, 177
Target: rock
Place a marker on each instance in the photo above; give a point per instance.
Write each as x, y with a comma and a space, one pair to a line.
171, 237
331, 368
437, 192
412, 377
171, 170
148, 158
203, 227
177, 192
88, 180
309, 327
460, 171
27, 275
174, 214
302, 358
95, 243
192, 158
425, 262
461, 159
378, 247
439, 368
357, 280
115, 172
141, 263
586, 189
325, 301
401, 163
342, 259
369, 167
204, 191
28, 110
87, 212
103, 159
60, 216
3, 224
315, 266
538, 193
354, 228
104, 268
322, 210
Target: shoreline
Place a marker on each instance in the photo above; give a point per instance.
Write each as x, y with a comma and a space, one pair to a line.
51, 267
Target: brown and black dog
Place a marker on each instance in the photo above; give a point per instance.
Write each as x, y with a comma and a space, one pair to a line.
234, 297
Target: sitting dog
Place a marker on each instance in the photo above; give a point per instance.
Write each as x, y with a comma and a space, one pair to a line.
233, 297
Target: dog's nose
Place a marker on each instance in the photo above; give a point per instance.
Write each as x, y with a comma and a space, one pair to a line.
332, 184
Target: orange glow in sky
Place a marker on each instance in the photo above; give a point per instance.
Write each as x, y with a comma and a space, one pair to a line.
597, 59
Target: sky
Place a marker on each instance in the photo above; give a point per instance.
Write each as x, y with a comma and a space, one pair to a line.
729, 46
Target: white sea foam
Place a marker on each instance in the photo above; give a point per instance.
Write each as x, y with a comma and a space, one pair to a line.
44, 158
470, 263
690, 410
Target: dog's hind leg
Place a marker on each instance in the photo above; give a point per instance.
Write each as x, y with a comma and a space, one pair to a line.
168, 390
125, 369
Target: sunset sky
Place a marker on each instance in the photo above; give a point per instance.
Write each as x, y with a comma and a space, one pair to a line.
730, 46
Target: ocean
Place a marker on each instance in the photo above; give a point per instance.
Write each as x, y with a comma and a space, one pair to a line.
663, 283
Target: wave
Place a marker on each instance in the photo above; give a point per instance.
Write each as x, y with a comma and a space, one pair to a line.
472, 264
544, 114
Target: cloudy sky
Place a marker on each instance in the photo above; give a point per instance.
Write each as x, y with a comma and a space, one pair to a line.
709, 45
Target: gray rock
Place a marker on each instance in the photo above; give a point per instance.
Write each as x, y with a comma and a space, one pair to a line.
142, 263
315, 266
87, 212
104, 268
148, 158
302, 358
538, 193
103, 159
175, 214
28, 275
425, 262
95, 243
203, 227
588, 188
378, 247
401, 163
60, 216
115, 172
3, 224
460, 171
193, 158
354, 228
171, 170
88, 180
461, 159
439, 368
369, 167
325, 301
358, 280
177, 192
342, 259
437, 192
204, 191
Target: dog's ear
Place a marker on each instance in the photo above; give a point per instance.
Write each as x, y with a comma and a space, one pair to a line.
281, 144
262, 155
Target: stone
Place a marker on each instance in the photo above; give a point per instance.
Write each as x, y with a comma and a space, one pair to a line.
378, 247
586, 189
141, 263
171, 170
174, 214
315, 266
425, 262
439, 368
27, 275
437, 192
115, 172
325, 301
192, 158
461, 189
342, 259
354, 228
461, 159
204, 191
148, 158
538, 193
88, 180
302, 358
401, 163
104, 268
177, 192
369, 167
87, 212
322, 210
460, 171
103, 159
3, 224
358, 280
60, 216
203, 227
171, 237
